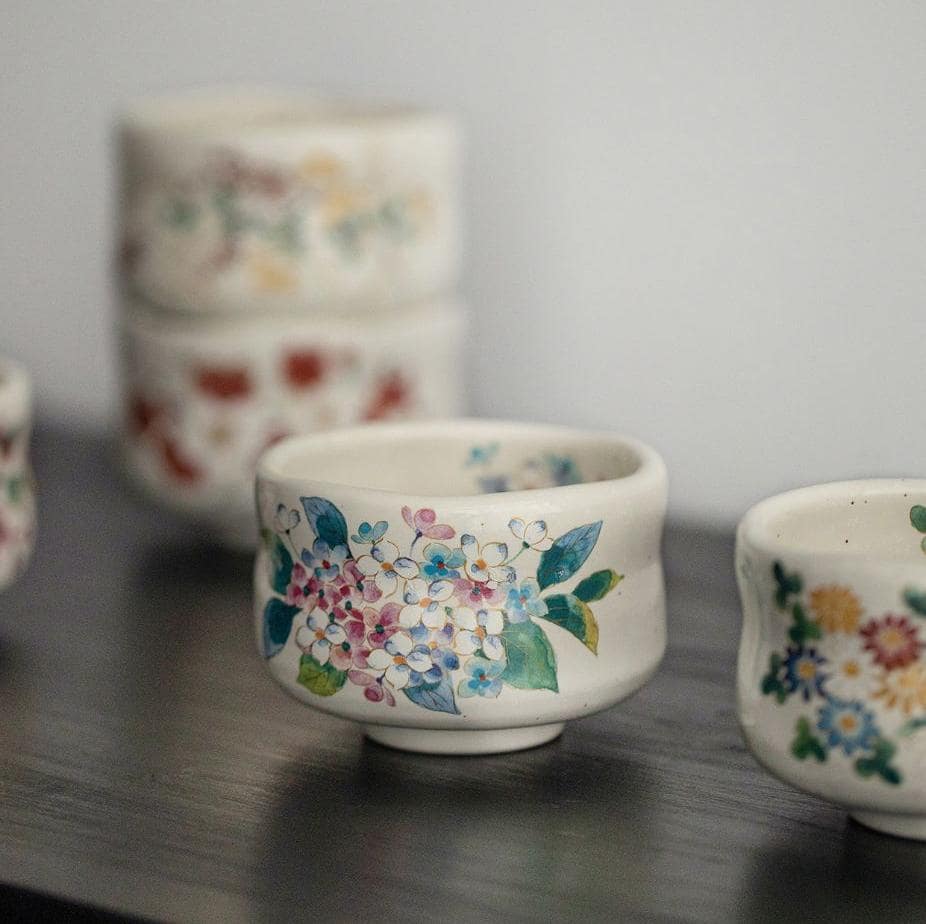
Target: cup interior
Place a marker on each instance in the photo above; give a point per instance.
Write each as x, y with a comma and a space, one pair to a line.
871, 518
455, 458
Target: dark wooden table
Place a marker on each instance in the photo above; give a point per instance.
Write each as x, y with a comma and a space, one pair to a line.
149, 765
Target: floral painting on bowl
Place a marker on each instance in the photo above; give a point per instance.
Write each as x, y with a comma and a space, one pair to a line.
415, 608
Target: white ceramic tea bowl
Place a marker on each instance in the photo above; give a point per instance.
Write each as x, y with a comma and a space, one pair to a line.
462, 586
17, 497
832, 670
204, 397
263, 201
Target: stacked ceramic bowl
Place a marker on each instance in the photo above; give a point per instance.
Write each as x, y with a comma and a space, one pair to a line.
17, 498
286, 267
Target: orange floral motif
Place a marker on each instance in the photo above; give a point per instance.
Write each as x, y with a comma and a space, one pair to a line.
836, 608
904, 689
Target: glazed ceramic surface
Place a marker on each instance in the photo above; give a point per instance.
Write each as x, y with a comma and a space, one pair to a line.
461, 586
17, 497
832, 669
260, 201
205, 397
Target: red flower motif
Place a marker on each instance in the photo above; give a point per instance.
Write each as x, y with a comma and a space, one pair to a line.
304, 369
392, 394
475, 594
365, 586
179, 467
381, 624
7, 442
143, 414
302, 590
893, 640
230, 384
423, 523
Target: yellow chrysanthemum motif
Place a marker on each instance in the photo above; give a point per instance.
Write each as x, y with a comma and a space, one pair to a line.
320, 170
836, 608
271, 275
904, 689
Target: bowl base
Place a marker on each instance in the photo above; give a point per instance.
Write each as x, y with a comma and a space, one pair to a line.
912, 826
439, 741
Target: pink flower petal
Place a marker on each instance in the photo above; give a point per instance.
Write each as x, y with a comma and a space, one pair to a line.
389, 614
424, 518
374, 693
360, 678
355, 630
407, 516
440, 531
340, 658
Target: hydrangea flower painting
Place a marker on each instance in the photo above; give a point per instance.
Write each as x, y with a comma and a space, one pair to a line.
415, 608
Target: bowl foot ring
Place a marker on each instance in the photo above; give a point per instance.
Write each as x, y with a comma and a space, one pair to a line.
912, 826
441, 741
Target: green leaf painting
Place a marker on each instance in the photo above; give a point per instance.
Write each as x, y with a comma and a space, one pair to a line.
806, 744
531, 659
321, 679
574, 615
597, 585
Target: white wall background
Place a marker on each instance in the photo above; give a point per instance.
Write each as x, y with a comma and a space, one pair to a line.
702, 223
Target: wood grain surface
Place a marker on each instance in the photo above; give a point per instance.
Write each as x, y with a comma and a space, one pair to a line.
149, 765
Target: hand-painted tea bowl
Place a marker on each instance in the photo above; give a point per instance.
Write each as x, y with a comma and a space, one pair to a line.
17, 499
463, 586
832, 669
262, 201
205, 396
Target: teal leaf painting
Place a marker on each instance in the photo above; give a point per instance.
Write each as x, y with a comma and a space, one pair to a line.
438, 697
326, 520
281, 562
567, 554
531, 659
278, 621
597, 585
916, 600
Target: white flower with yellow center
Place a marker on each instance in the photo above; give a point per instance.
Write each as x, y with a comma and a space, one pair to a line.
423, 603
486, 562
850, 669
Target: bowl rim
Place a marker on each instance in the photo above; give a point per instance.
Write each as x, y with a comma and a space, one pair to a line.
238, 111
756, 527
651, 473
